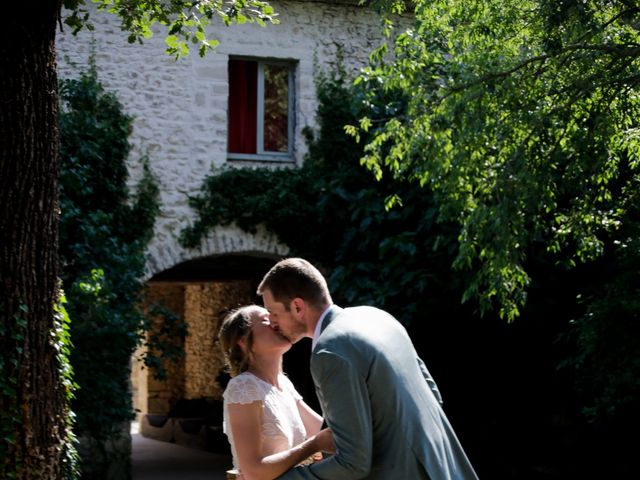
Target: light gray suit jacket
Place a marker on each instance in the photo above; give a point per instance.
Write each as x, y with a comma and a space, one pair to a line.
381, 403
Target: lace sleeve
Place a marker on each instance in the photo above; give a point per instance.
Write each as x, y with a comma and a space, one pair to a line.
243, 389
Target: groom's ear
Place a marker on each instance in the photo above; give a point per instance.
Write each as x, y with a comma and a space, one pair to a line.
297, 307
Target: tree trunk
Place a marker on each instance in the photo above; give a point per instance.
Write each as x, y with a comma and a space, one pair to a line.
32, 400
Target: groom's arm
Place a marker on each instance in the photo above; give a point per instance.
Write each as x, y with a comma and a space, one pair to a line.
344, 397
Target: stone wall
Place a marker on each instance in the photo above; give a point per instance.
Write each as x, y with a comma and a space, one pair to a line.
180, 107
205, 308
162, 395
202, 306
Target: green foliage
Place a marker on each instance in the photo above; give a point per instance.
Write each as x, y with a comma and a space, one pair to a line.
166, 332
332, 212
103, 235
185, 21
10, 415
63, 344
607, 360
522, 119
10, 418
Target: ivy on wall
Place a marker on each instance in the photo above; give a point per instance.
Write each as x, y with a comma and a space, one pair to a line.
164, 339
333, 213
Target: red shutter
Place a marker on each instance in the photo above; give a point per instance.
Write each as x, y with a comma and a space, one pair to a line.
243, 93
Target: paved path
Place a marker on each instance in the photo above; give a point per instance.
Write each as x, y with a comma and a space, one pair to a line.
155, 460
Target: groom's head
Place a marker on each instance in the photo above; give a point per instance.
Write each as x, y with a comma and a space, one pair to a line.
295, 293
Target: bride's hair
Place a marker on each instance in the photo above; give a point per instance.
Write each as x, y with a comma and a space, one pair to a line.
235, 326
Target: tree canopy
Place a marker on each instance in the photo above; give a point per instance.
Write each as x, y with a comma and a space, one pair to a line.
522, 118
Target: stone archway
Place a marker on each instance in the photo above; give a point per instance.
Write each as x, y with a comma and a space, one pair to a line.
223, 250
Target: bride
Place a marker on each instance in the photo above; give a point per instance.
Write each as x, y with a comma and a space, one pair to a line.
270, 428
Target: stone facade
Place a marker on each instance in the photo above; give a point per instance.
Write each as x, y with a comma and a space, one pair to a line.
180, 111
180, 107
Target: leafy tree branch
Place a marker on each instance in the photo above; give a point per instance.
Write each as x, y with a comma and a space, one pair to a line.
185, 21
523, 133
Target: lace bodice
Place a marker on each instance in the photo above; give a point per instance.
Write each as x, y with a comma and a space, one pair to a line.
282, 427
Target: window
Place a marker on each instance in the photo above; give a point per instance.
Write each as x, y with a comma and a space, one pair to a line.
260, 110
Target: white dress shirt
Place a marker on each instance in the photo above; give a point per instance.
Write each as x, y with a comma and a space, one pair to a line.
318, 329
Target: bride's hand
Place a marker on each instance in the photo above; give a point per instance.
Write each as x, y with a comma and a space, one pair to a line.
324, 440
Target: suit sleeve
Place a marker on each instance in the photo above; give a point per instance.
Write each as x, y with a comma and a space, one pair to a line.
429, 380
344, 397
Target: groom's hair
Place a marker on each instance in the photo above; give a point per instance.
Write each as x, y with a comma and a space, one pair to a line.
296, 278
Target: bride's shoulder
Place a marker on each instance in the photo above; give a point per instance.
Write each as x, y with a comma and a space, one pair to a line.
244, 388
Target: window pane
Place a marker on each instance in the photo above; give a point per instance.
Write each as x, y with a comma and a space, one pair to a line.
243, 88
276, 108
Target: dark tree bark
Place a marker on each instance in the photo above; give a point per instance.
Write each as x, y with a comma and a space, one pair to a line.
32, 401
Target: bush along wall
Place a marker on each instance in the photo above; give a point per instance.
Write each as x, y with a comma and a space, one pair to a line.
103, 259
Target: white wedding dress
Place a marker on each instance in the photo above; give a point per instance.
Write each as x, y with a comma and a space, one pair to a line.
282, 427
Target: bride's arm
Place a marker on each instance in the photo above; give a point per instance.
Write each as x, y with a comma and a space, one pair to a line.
245, 421
311, 420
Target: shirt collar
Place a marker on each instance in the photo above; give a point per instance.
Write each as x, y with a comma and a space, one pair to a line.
318, 329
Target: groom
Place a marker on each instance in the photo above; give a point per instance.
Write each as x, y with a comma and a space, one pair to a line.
376, 394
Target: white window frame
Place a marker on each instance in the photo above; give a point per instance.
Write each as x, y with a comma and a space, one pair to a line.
261, 154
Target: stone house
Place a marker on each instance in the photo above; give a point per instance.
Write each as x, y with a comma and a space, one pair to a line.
245, 104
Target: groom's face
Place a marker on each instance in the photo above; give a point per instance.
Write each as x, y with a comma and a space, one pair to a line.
288, 322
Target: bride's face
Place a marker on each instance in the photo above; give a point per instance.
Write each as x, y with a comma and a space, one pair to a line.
266, 338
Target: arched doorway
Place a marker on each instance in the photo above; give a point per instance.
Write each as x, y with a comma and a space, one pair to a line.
181, 401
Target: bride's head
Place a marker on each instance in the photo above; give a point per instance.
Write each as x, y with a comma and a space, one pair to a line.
245, 335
